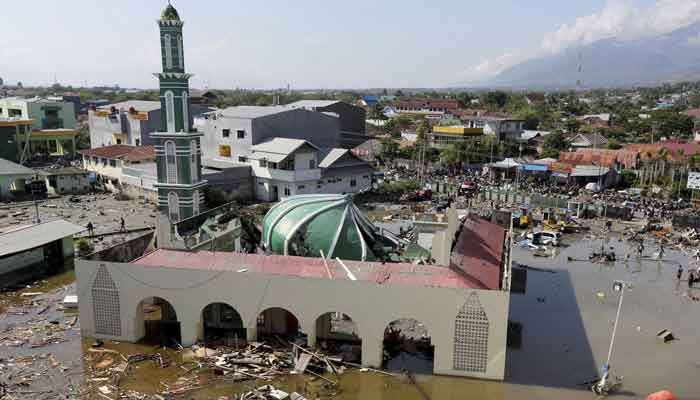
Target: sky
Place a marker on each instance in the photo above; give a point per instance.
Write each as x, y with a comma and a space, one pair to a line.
307, 44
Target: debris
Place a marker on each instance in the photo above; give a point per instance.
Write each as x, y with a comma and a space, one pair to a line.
662, 395
70, 301
665, 336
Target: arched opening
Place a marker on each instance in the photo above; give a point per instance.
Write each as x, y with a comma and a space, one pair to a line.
222, 325
185, 111
170, 110
277, 321
170, 162
194, 166
195, 202
158, 322
337, 334
407, 346
174, 207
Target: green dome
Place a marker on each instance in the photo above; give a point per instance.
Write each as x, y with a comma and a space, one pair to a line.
306, 224
170, 14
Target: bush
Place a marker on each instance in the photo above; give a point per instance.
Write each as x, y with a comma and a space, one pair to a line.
83, 246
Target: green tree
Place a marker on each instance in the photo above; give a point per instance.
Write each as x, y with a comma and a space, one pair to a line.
553, 144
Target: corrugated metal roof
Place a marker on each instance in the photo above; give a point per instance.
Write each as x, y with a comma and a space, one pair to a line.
478, 253
281, 146
8, 167
251, 112
332, 157
588, 170
36, 236
398, 274
312, 103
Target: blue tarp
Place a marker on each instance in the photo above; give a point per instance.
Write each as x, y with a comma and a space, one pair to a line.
534, 167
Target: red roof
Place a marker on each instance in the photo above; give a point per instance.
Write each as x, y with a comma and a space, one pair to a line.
692, 113
605, 158
449, 104
387, 274
478, 253
122, 152
676, 151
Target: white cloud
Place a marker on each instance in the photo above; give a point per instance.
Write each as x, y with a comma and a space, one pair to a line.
491, 67
623, 19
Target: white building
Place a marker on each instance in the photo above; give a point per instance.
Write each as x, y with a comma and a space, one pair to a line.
286, 167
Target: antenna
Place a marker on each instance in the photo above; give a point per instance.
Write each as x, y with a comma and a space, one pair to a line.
579, 80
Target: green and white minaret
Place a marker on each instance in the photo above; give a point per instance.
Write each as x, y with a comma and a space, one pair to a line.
178, 155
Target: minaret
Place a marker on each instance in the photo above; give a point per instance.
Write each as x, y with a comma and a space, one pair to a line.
178, 156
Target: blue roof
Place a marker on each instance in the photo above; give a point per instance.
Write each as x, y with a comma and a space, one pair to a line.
370, 99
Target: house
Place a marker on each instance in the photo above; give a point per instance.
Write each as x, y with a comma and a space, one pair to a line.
230, 133
430, 108
285, 167
588, 140
106, 163
603, 118
443, 136
13, 178
129, 122
500, 127
616, 159
32, 248
66, 180
368, 101
352, 118
205, 97
50, 124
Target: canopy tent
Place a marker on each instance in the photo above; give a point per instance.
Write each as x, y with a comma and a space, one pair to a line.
508, 163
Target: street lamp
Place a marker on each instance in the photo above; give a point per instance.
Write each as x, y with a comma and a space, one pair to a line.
604, 386
30, 183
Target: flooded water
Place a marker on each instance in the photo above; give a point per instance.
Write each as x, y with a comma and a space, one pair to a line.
567, 316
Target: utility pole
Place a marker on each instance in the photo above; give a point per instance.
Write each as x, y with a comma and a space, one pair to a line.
603, 386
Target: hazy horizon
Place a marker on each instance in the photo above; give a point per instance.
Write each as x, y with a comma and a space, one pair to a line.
313, 44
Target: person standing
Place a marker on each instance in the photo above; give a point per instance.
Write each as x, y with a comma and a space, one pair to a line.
122, 226
90, 228
679, 274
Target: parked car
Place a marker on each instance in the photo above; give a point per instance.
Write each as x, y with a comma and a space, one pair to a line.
545, 238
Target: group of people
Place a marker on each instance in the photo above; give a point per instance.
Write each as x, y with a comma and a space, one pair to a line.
91, 228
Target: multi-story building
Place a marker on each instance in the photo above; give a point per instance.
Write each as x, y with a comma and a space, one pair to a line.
443, 136
500, 128
430, 108
230, 133
287, 167
129, 122
51, 126
352, 119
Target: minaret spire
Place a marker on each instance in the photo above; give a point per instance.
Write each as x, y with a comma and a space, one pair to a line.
178, 154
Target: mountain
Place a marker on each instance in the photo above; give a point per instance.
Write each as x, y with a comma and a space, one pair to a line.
612, 62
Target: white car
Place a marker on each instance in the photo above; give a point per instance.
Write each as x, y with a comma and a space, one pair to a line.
545, 238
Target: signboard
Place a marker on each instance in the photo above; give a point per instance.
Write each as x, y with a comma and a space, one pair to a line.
693, 180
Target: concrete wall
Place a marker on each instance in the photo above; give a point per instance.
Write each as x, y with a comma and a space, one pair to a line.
73, 184
21, 260
189, 291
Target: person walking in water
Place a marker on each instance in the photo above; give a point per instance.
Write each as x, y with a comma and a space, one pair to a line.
122, 227
679, 274
91, 229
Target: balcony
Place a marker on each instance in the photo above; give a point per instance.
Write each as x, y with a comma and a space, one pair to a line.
286, 175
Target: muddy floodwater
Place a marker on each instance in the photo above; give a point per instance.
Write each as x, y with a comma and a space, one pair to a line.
567, 316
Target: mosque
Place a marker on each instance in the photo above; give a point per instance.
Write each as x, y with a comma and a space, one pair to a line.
325, 273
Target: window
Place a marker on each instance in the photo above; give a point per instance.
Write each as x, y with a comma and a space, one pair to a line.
168, 51
471, 340
195, 202
353, 182
194, 166
263, 163
226, 133
185, 111
173, 207
240, 134
137, 142
224, 150
95, 160
170, 162
287, 192
170, 110
301, 187
119, 141
272, 165
312, 164
242, 159
104, 162
113, 163
181, 57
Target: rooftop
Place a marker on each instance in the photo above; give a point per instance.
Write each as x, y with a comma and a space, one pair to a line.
122, 152
63, 171
33, 236
478, 253
283, 146
8, 167
398, 274
138, 105
251, 112
312, 103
